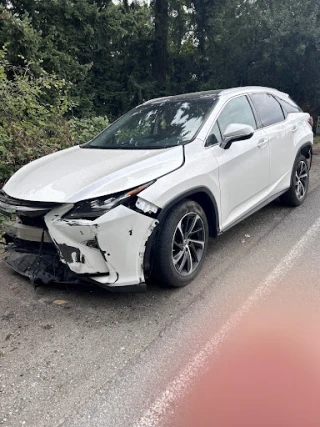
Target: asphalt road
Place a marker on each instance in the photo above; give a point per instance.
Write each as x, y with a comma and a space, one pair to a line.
100, 359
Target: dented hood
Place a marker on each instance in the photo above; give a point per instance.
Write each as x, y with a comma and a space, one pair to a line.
78, 173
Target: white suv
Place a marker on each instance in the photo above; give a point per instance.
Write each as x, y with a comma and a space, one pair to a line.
142, 198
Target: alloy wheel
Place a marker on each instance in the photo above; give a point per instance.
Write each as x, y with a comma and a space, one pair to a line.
188, 244
301, 180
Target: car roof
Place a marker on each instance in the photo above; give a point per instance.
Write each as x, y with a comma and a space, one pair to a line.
216, 93
187, 96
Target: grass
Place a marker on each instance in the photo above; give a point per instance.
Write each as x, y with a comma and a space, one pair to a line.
317, 139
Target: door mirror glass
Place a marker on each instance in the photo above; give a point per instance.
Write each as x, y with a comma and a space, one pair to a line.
236, 132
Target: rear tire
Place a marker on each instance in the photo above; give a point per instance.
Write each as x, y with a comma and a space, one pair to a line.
182, 245
298, 191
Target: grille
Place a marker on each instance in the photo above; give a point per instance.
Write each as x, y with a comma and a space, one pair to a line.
4, 198
33, 221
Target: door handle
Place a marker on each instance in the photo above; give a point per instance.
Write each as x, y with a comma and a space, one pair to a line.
295, 128
263, 142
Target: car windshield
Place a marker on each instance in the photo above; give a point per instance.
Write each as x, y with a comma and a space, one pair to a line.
158, 125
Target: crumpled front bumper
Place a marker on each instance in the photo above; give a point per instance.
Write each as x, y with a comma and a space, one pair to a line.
108, 251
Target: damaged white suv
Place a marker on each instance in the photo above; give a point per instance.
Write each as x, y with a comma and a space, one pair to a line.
142, 198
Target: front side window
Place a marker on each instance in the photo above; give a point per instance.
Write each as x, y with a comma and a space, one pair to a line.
215, 136
159, 125
268, 108
237, 110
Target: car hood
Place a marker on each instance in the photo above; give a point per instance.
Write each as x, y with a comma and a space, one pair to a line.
76, 173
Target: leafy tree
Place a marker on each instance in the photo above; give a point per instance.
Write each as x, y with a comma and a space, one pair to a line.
118, 55
33, 119
267, 43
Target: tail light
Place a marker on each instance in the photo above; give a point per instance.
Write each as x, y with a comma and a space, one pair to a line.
310, 121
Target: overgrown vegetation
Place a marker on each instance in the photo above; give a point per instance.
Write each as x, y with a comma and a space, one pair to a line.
33, 116
67, 65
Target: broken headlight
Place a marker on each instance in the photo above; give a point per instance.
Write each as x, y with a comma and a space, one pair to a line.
92, 209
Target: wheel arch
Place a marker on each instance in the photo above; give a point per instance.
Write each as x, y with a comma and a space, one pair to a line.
204, 198
306, 150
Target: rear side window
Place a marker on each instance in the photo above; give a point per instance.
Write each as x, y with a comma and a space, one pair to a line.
268, 108
237, 110
289, 107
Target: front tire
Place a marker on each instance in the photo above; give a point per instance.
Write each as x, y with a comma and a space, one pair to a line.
297, 193
182, 245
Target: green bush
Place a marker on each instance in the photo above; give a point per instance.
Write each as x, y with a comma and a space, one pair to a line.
33, 116
83, 130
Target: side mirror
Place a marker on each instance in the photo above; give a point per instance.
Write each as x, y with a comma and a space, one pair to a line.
236, 132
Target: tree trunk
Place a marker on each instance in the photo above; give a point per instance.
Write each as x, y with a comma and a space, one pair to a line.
160, 51
126, 5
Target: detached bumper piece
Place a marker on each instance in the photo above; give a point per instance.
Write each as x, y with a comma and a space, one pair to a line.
43, 266
40, 268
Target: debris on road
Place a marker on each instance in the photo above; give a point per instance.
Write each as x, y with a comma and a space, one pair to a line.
60, 302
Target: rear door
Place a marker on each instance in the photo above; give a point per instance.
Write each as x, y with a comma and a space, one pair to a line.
280, 130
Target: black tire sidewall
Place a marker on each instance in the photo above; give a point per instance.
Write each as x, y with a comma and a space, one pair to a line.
164, 271
293, 198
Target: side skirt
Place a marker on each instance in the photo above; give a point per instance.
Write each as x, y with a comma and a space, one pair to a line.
254, 210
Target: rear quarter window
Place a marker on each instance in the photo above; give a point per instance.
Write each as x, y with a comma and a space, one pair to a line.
289, 106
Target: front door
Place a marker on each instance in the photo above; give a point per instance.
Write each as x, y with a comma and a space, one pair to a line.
244, 167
